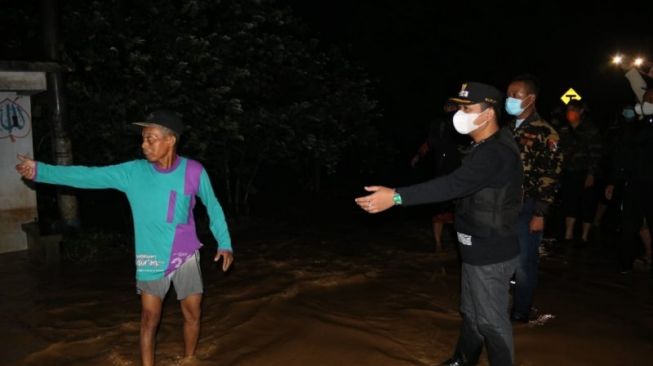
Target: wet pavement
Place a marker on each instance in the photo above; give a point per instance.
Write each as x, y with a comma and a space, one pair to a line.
354, 294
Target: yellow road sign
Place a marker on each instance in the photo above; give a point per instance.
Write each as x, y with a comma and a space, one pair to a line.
569, 95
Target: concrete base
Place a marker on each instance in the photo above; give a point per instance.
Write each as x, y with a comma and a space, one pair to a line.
12, 238
45, 249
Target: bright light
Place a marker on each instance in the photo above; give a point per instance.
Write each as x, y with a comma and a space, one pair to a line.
638, 61
617, 59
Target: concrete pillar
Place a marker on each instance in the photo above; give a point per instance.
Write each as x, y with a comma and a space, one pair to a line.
17, 197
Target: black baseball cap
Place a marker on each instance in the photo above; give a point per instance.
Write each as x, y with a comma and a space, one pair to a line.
472, 92
165, 118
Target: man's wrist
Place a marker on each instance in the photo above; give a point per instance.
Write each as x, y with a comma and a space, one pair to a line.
396, 197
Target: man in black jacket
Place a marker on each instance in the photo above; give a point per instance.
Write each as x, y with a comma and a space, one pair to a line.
580, 143
488, 187
632, 167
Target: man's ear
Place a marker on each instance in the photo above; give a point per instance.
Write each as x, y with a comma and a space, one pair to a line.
173, 138
485, 116
533, 98
492, 114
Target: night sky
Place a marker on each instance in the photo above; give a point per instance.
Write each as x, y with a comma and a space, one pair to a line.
420, 50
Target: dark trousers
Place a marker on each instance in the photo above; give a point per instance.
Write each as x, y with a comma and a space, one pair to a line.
526, 273
637, 205
484, 307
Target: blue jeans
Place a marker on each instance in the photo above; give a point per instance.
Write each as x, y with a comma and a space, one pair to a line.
526, 273
484, 300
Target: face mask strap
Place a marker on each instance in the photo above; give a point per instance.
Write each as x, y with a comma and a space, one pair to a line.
477, 126
529, 104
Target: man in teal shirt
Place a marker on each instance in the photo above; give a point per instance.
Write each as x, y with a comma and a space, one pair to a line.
161, 192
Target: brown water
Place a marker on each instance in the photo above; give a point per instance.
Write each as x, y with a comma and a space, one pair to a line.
321, 299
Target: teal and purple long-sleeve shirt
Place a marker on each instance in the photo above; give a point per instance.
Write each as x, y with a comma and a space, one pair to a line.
162, 203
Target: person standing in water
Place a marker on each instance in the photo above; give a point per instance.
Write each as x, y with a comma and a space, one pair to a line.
488, 186
162, 191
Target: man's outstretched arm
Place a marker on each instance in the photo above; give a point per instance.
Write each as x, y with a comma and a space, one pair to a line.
113, 176
471, 176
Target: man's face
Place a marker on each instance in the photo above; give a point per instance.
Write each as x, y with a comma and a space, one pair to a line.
472, 119
471, 108
156, 143
518, 90
476, 108
574, 113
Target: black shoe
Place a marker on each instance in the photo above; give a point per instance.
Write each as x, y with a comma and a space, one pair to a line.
454, 361
515, 318
520, 318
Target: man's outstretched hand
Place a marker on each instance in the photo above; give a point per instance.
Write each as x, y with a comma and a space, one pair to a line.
26, 167
227, 259
378, 201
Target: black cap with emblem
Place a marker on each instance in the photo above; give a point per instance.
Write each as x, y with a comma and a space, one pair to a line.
473, 92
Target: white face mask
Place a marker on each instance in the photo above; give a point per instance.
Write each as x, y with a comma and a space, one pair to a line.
464, 122
645, 109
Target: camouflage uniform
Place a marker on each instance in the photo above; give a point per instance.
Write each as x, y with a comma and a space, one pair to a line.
542, 160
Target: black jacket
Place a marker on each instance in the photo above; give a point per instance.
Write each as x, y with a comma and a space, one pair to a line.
488, 185
632, 160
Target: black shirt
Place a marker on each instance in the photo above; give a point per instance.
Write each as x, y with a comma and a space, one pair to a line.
581, 147
489, 164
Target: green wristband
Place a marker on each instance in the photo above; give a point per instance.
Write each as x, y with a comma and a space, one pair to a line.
397, 198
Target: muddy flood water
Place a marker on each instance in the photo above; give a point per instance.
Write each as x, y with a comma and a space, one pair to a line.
359, 292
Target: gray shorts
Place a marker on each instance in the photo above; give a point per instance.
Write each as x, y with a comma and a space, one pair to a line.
187, 280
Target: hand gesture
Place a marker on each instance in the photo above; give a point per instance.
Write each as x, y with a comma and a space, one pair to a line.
227, 258
26, 167
378, 201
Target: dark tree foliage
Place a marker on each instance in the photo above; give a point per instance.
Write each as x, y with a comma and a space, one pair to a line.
258, 93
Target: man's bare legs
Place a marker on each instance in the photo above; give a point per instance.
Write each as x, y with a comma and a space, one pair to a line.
586, 231
601, 209
437, 233
150, 317
569, 227
645, 235
191, 308
570, 222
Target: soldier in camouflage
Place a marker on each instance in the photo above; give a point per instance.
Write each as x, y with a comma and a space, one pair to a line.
542, 161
